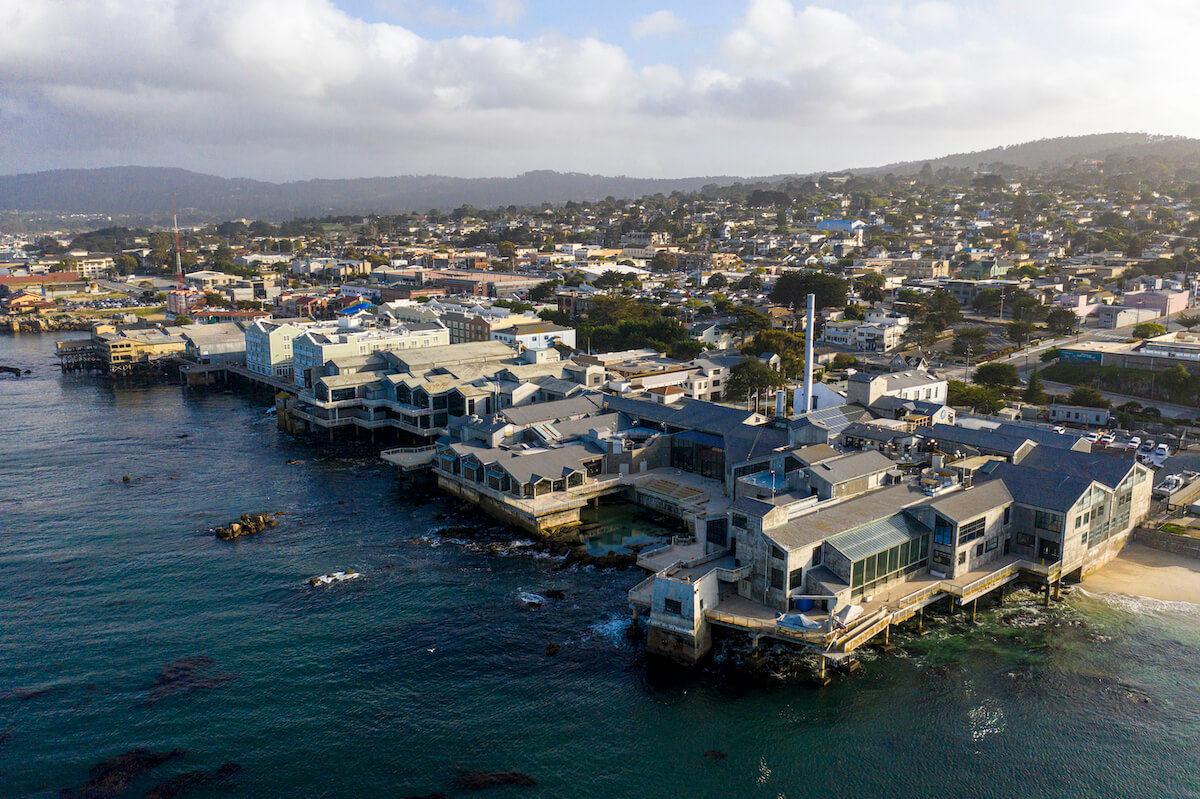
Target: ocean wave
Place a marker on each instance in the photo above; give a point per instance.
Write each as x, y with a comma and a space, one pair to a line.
612, 629
1140, 605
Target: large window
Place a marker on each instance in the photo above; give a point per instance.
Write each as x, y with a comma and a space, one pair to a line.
943, 532
971, 530
874, 570
1048, 521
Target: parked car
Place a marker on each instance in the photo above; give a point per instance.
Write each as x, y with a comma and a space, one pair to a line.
1147, 446
1133, 442
1162, 450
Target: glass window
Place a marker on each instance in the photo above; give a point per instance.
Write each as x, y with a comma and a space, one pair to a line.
893, 559
673, 606
1048, 521
1007, 514
962, 558
992, 543
777, 579
795, 579
856, 574
869, 569
739, 521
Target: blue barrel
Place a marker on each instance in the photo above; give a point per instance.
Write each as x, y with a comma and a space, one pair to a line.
804, 605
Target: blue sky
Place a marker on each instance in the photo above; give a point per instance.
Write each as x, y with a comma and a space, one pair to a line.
294, 89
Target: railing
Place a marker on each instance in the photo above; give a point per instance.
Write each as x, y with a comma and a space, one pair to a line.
408, 450
735, 574
862, 634
766, 626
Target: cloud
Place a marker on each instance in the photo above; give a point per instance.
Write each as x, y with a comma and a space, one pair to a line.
301, 88
658, 23
934, 16
504, 13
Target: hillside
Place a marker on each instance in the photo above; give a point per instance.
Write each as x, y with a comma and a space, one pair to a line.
1054, 154
147, 191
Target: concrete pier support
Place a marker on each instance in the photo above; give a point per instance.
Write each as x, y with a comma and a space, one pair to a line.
680, 647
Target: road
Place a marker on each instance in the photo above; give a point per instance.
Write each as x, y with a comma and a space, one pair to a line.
1168, 409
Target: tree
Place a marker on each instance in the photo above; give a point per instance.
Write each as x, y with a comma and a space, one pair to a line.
1020, 331
67, 264
543, 291
972, 338
793, 288
664, 261
924, 334
996, 375
750, 376
843, 361
870, 287
1180, 384
1034, 393
1049, 355
981, 398
180, 321
750, 282
610, 279
1188, 321
943, 308
125, 264
747, 319
1089, 397
214, 300
1148, 330
1062, 321
717, 281
788, 346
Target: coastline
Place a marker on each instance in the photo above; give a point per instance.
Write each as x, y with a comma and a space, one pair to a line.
1152, 573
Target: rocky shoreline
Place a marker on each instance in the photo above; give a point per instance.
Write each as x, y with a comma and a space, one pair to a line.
29, 323
247, 524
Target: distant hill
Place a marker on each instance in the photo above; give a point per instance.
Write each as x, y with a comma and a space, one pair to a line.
133, 190
145, 192
1053, 154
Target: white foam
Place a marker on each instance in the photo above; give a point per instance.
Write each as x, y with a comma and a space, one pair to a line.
1141, 605
611, 629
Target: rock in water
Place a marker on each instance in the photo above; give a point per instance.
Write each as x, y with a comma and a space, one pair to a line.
185, 676
478, 780
182, 783
112, 776
552, 649
715, 754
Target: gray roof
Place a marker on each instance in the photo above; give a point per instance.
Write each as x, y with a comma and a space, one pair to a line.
964, 505
814, 453
844, 516
875, 432
745, 443
1052, 490
707, 417
835, 419
983, 440
1104, 469
552, 411
851, 467
876, 536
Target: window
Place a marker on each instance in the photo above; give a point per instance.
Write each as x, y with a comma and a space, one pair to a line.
1007, 515
795, 579
1025, 540
978, 550
972, 530
777, 579
778, 553
673, 606
962, 558
941, 558
818, 555
943, 532
739, 521
992, 543
1048, 521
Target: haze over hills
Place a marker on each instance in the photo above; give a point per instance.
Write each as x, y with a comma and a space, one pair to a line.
146, 191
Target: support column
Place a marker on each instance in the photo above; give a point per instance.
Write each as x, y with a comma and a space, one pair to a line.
1046, 599
973, 611
921, 620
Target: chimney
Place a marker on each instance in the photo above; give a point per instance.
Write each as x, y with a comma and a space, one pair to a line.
808, 354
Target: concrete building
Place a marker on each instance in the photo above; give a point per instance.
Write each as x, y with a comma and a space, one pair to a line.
535, 336
347, 337
269, 345
1166, 303
223, 343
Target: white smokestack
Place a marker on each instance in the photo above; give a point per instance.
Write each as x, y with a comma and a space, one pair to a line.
797, 400
808, 354
780, 402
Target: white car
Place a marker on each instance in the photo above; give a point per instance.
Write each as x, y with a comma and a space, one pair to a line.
1133, 442
1162, 451
1093, 437
1107, 439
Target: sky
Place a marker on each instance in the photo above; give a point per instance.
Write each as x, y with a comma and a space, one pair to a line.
297, 89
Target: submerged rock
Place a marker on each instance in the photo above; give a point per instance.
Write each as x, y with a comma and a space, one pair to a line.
715, 754
185, 676
552, 650
478, 780
112, 776
182, 783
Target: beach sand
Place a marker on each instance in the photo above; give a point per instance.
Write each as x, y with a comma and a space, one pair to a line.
1147, 572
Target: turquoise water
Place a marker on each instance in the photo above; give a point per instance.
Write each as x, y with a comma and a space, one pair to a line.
429, 665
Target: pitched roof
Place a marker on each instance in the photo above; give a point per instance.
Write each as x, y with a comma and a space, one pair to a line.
961, 506
1052, 490
851, 467
1107, 470
876, 536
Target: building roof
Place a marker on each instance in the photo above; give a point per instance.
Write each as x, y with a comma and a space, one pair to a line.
876, 536
1052, 490
851, 467
843, 516
524, 415
1104, 469
976, 439
966, 504
814, 453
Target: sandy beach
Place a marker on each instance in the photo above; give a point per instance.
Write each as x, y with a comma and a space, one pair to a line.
1147, 572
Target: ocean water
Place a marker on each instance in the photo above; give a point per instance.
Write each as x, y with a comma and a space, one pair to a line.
125, 624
